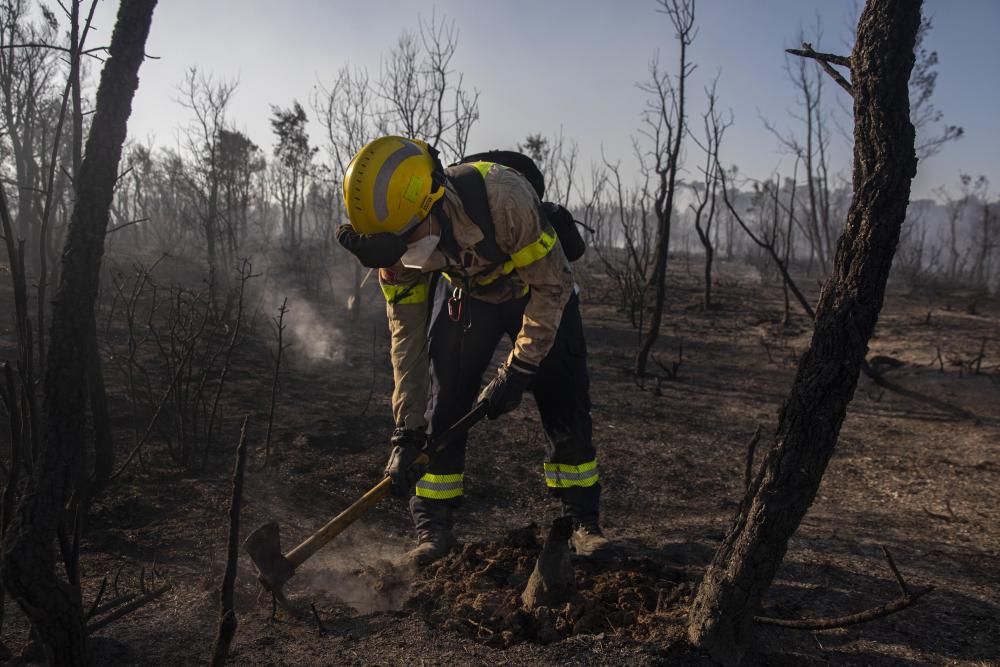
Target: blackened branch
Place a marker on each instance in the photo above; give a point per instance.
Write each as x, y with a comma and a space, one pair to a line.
826, 61
907, 597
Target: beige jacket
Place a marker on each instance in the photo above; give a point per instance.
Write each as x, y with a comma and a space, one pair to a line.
538, 267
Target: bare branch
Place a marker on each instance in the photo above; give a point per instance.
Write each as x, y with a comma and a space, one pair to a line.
907, 598
896, 605
127, 609
824, 60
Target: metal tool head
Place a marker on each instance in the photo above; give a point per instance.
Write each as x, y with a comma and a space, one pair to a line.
264, 547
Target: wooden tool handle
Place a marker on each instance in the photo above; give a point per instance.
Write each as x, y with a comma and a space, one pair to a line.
337, 524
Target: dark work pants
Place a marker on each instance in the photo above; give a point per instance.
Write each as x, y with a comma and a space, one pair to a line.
459, 360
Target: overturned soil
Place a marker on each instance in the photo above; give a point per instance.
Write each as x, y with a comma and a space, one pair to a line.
916, 470
477, 592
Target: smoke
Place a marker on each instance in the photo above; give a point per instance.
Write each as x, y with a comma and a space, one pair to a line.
312, 335
362, 568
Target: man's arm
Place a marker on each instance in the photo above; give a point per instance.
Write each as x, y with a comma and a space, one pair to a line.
407, 303
523, 231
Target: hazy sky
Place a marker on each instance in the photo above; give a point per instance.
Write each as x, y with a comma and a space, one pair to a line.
542, 65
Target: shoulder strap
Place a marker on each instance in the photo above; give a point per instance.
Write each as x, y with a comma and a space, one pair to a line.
471, 189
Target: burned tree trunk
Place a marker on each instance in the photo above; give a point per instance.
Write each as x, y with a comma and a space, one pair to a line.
809, 424
667, 157
29, 574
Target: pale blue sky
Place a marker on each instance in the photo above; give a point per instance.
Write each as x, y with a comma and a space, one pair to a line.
542, 65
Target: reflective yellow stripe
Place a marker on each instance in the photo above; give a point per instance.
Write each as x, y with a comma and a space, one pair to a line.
405, 293
440, 487
565, 467
563, 475
529, 254
483, 167
534, 251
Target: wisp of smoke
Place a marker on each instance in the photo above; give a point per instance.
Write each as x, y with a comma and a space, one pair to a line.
363, 569
312, 335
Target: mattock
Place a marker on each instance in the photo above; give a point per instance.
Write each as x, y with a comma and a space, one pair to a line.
264, 544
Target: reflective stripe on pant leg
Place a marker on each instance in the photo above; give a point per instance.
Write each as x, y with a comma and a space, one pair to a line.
440, 487
562, 475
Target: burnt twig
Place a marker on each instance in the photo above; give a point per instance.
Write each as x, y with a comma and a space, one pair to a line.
112, 603
319, 622
246, 273
118, 575
825, 60
938, 359
978, 361
127, 609
751, 450
865, 616
159, 407
903, 588
279, 323
906, 599
675, 367
227, 620
97, 600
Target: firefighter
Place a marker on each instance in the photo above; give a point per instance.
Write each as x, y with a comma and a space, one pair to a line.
450, 298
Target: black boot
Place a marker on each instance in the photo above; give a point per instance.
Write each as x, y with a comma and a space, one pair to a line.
582, 505
433, 521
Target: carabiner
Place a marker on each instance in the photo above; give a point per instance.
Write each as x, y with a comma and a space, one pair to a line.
455, 305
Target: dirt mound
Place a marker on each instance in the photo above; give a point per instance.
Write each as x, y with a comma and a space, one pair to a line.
476, 592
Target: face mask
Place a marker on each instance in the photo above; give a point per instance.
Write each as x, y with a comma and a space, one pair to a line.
418, 253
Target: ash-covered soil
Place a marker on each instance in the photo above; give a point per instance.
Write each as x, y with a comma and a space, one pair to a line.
916, 470
476, 592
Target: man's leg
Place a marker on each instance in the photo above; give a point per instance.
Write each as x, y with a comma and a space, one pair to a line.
458, 360
562, 392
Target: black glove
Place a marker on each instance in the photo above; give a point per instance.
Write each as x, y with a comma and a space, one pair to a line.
406, 446
375, 251
503, 394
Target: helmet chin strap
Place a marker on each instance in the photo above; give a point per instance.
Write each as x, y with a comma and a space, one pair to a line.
437, 175
448, 241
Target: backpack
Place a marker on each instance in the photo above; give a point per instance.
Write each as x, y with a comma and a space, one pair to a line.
471, 190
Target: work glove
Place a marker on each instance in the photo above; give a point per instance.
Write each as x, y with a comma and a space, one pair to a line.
375, 251
503, 393
406, 447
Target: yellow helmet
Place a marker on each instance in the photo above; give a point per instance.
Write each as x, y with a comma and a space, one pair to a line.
390, 186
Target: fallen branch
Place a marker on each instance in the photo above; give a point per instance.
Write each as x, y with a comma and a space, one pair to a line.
111, 604
127, 609
907, 598
896, 605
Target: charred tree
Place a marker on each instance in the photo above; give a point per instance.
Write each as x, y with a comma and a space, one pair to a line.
786, 484
667, 130
714, 127
52, 604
